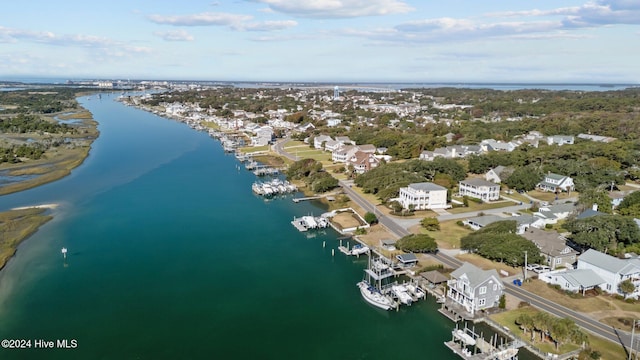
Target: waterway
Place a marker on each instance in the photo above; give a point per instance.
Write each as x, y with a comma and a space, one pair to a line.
171, 256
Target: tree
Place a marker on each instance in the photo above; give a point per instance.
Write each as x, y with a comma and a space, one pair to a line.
524, 178
525, 321
502, 302
430, 223
604, 232
417, 243
396, 206
598, 196
626, 287
370, 218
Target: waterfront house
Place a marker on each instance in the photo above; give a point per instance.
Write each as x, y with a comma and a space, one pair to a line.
574, 280
556, 183
473, 288
612, 270
479, 189
422, 196
407, 260
498, 174
553, 247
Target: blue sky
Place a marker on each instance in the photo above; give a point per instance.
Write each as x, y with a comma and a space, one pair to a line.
324, 40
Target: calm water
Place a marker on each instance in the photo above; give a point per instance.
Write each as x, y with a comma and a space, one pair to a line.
172, 257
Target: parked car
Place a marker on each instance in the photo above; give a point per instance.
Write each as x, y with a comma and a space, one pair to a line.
542, 269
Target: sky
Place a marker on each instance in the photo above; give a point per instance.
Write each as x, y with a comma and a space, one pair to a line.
421, 41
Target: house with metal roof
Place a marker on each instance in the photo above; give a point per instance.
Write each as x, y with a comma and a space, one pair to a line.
612, 270
574, 280
422, 196
473, 288
407, 260
556, 183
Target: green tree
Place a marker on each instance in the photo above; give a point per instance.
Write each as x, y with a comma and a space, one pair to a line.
524, 178
598, 196
430, 223
626, 287
417, 243
525, 321
370, 218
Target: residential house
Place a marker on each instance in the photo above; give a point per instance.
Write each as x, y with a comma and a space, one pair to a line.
612, 270
498, 174
423, 196
493, 145
560, 140
343, 153
556, 183
597, 138
480, 189
362, 161
478, 222
333, 122
318, 141
264, 136
552, 213
553, 247
474, 289
574, 280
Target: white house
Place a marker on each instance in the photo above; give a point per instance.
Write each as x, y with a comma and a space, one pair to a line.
574, 280
612, 270
480, 189
473, 288
423, 196
560, 140
555, 183
318, 141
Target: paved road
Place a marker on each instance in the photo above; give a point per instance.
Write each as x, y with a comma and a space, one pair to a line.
580, 319
278, 147
399, 230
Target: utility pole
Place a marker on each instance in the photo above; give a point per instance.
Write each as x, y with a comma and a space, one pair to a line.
525, 265
633, 328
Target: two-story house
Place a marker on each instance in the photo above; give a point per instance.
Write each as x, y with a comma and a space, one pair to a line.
362, 161
473, 288
480, 189
556, 183
423, 196
553, 247
612, 270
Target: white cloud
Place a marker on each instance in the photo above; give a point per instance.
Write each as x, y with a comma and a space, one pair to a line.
174, 35
267, 25
202, 19
233, 21
337, 8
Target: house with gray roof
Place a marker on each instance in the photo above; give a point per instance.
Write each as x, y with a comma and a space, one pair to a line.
498, 174
320, 140
612, 270
422, 196
556, 183
552, 213
478, 222
553, 247
574, 280
479, 189
473, 288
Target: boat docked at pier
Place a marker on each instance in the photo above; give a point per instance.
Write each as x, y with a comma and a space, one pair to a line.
273, 187
309, 222
373, 296
401, 292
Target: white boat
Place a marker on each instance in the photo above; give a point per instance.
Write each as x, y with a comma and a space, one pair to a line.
359, 249
374, 297
464, 337
402, 295
415, 291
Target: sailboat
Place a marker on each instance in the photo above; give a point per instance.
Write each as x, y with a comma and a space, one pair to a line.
372, 293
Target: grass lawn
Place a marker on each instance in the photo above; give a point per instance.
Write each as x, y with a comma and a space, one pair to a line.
448, 237
607, 349
586, 304
549, 196
473, 206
